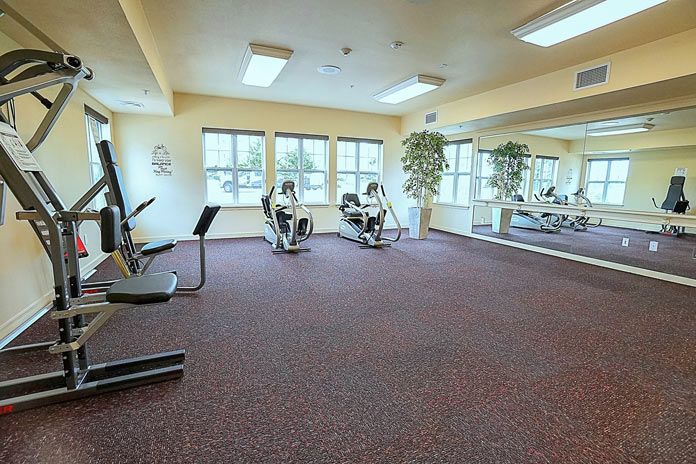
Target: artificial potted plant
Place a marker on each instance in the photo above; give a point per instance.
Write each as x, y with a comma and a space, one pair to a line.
424, 161
507, 166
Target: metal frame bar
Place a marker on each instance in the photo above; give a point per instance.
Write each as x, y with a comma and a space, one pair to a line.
669, 219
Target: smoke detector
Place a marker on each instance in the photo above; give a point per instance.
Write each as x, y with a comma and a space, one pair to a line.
329, 69
397, 44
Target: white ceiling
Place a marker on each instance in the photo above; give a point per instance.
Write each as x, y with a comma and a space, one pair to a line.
97, 31
201, 44
679, 119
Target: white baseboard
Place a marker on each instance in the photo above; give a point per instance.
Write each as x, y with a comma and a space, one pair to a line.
11, 328
183, 238
453, 230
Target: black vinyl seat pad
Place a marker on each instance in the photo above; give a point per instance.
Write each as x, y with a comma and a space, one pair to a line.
147, 289
157, 247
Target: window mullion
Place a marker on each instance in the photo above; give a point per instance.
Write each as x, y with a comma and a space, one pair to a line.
300, 168
357, 168
235, 177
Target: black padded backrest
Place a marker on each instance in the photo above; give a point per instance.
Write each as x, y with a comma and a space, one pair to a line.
110, 228
266, 202
518, 197
674, 193
118, 194
352, 197
206, 219
107, 152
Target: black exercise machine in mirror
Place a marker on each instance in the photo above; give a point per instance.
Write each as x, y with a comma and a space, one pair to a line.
675, 202
32, 71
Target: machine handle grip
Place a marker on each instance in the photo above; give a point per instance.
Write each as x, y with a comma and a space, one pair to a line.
139, 209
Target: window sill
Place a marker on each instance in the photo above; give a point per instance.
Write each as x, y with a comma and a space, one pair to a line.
235, 207
452, 205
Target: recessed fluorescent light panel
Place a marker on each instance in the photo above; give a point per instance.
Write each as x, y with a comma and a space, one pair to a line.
618, 130
578, 17
261, 65
417, 85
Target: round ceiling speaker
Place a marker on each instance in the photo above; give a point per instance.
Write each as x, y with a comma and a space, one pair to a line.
329, 69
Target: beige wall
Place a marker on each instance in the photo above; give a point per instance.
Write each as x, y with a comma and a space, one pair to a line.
181, 197
629, 69
25, 276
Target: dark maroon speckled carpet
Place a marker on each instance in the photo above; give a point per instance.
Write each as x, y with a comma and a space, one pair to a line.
445, 350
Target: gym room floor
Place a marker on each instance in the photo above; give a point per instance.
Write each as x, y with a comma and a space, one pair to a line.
445, 350
675, 255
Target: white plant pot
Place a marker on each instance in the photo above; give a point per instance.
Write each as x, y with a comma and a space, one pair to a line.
418, 222
501, 220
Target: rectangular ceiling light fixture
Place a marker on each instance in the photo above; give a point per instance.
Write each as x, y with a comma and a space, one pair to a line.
261, 64
417, 85
578, 17
618, 130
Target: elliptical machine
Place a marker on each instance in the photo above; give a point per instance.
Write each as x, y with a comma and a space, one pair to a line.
285, 231
358, 225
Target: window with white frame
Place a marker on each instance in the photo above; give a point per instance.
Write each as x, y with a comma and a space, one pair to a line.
309, 171
483, 173
454, 186
234, 166
545, 168
98, 129
359, 162
524, 188
605, 180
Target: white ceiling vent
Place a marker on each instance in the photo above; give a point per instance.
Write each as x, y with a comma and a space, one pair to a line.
431, 118
591, 77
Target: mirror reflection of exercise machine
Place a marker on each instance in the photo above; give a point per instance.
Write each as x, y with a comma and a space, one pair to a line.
283, 229
359, 225
32, 71
577, 223
543, 222
675, 202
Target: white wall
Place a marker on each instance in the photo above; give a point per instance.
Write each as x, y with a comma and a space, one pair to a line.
181, 197
26, 280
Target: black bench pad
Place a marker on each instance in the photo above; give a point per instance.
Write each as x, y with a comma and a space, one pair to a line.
147, 289
157, 247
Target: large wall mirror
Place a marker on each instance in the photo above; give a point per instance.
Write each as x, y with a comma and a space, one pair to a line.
614, 166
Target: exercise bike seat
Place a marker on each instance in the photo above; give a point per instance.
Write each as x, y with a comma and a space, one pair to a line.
157, 247
147, 289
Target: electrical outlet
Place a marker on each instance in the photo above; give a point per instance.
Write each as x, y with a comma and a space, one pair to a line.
653, 246
624, 242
